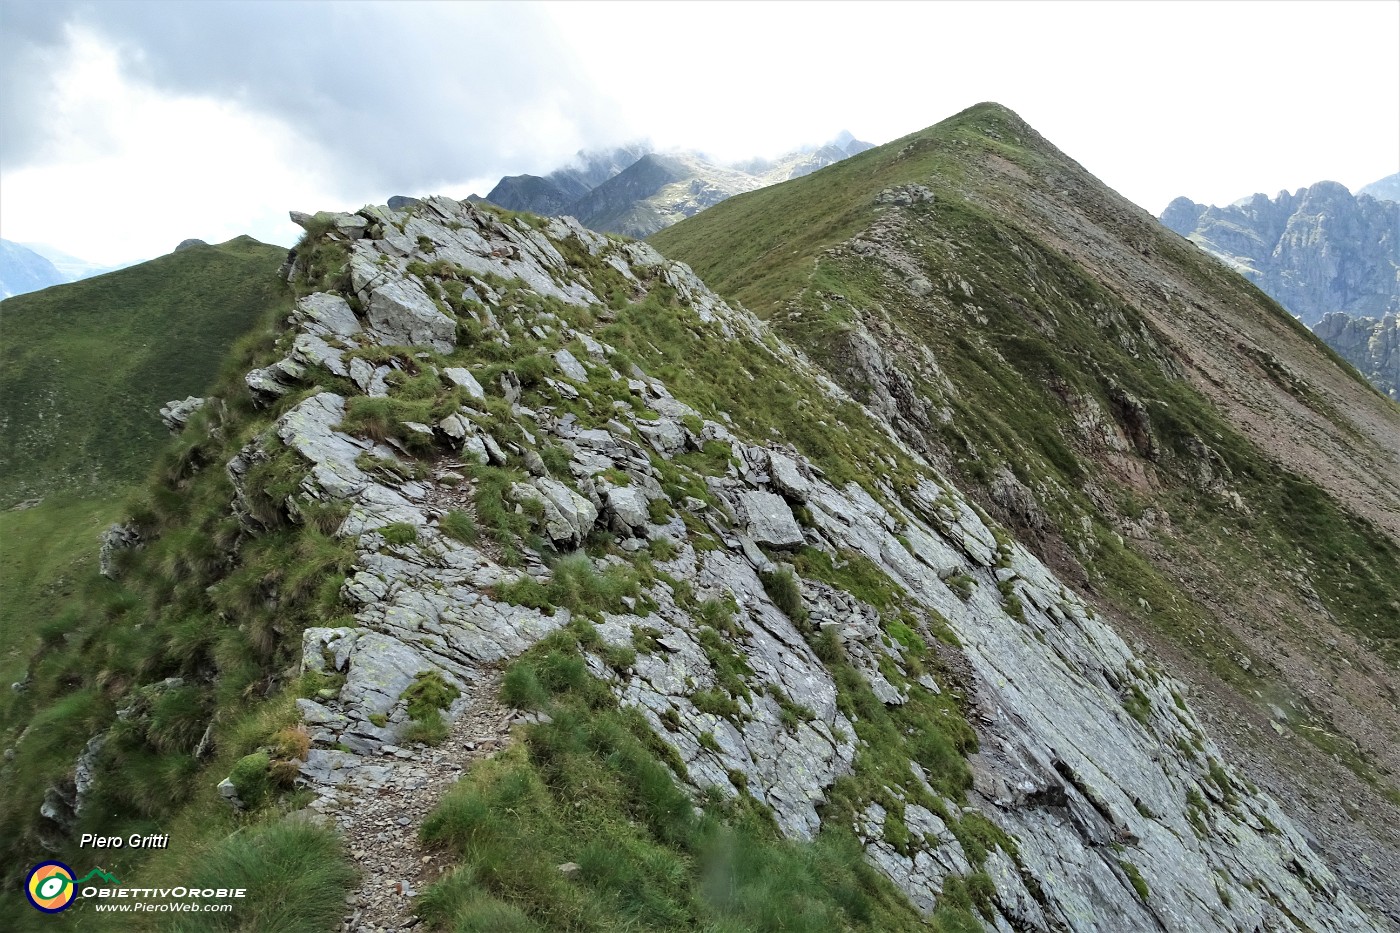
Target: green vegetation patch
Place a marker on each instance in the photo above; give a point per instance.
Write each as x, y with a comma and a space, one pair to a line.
595, 788
85, 367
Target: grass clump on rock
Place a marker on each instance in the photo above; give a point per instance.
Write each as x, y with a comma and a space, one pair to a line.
594, 786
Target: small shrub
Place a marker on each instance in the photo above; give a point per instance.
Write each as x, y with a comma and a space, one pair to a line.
250, 778
556, 459
292, 742
521, 687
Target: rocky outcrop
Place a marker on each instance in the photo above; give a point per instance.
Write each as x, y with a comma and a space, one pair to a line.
114, 540
1091, 762
177, 414
1314, 251
1372, 346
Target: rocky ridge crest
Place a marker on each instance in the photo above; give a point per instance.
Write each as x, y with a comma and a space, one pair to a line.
1089, 761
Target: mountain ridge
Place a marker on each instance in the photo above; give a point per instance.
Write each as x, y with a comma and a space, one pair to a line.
977, 286
730, 609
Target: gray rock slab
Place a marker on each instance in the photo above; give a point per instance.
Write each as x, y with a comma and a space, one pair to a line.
769, 519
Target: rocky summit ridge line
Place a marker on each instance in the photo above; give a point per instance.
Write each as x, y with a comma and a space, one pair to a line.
1090, 762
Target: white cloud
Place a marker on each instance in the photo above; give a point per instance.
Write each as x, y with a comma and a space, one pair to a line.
129, 171
129, 126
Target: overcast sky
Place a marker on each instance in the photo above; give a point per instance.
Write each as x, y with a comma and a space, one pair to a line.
127, 127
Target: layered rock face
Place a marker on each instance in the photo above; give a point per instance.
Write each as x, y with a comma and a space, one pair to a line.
1372, 346
1113, 807
1314, 251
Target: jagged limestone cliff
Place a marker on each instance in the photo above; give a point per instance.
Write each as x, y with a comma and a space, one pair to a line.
1372, 346
1315, 251
465, 351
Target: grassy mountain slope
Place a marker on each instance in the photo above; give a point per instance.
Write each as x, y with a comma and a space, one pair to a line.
1159, 429
86, 366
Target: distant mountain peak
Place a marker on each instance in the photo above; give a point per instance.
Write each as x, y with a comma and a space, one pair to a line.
1316, 250
24, 270
636, 189
1384, 189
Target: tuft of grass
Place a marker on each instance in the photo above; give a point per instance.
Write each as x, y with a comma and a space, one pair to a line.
576, 585
783, 588
399, 533
1135, 878
428, 694
459, 526
297, 877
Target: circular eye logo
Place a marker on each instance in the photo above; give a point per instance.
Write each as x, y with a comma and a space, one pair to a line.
49, 887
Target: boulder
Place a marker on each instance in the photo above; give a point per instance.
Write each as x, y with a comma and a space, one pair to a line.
577, 511
402, 313
570, 366
326, 314
626, 509
455, 427
666, 436
787, 478
459, 376
191, 243
769, 519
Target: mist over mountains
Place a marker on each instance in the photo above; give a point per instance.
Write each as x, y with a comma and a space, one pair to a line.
637, 191
29, 267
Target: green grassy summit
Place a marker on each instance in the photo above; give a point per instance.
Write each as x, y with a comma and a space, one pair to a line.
85, 367
1161, 431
